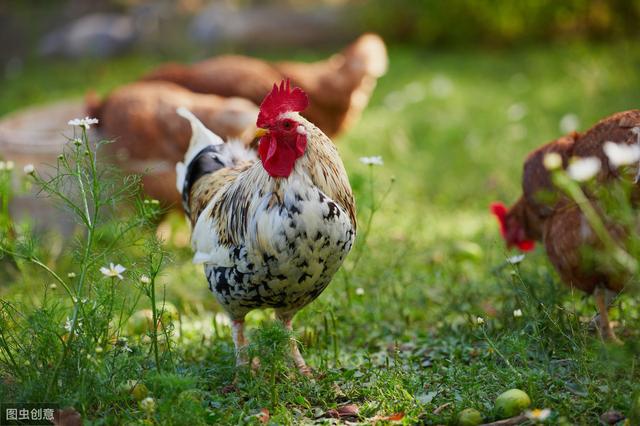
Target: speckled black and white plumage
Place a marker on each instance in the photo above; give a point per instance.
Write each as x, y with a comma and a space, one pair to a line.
310, 239
269, 242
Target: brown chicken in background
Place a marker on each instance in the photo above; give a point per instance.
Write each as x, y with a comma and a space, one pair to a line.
338, 87
544, 214
150, 137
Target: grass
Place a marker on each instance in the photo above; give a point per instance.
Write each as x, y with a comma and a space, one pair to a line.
396, 332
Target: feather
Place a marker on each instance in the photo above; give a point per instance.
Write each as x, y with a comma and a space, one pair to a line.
201, 137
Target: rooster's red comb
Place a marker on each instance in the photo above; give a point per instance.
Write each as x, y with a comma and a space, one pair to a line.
281, 99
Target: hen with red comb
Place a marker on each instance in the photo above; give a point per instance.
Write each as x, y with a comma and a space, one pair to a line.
270, 231
544, 213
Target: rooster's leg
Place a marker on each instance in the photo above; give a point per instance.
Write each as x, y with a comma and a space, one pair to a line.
606, 331
237, 329
295, 350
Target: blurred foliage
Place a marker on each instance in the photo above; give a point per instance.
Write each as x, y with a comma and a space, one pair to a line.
499, 22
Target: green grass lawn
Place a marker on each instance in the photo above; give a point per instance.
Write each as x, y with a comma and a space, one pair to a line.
396, 331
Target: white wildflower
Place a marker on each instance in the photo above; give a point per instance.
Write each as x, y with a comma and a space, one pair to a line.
415, 92
83, 122
538, 415
148, 404
552, 161
395, 101
113, 270
3, 165
360, 291
441, 86
621, 154
517, 313
583, 169
372, 161
68, 323
9, 165
517, 111
569, 123
514, 260
71, 275
145, 279
29, 169
479, 320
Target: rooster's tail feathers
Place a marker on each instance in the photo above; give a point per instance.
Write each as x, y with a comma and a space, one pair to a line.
201, 137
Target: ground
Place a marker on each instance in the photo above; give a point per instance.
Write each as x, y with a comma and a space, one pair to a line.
397, 330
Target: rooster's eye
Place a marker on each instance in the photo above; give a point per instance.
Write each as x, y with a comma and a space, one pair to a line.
286, 124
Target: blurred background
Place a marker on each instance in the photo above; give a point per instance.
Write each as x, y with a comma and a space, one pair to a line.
105, 28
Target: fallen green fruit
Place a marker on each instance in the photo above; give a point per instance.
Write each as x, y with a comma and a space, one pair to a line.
511, 403
469, 417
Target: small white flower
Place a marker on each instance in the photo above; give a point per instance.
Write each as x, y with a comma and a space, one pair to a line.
29, 169
68, 324
77, 141
359, 291
9, 165
53, 286
514, 260
415, 92
83, 122
3, 165
537, 414
569, 123
552, 161
145, 279
113, 270
479, 320
517, 112
441, 86
71, 275
621, 154
517, 313
372, 161
583, 169
395, 101
148, 404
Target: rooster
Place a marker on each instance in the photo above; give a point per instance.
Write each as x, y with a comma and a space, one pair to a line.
338, 87
271, 231
544, 214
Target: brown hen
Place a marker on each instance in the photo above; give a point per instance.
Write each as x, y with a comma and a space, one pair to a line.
338, 87
150, 137
544, 213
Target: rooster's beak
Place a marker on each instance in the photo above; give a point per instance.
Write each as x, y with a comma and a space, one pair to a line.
261, 132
